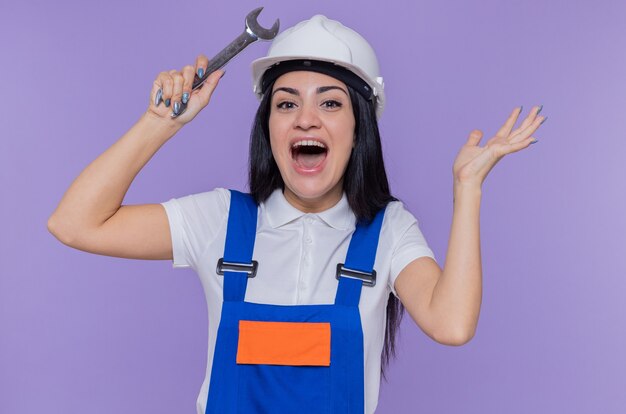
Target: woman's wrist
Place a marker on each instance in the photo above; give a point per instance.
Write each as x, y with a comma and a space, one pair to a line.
165, 128
466, 189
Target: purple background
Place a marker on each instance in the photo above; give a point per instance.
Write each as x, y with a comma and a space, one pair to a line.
88, 333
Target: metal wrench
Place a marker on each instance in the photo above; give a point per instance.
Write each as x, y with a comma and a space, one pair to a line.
251, 34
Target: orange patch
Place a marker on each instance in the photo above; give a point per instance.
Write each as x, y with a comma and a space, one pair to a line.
284, 343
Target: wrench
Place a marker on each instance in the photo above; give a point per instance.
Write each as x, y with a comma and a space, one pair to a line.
251, 34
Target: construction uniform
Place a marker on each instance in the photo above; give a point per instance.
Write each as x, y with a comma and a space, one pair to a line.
294, 335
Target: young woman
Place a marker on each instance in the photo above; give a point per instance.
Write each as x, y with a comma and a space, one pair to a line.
306, 277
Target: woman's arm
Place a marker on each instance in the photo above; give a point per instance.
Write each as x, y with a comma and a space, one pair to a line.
446, 303
96, 194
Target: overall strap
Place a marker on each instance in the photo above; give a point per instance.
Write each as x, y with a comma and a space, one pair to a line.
240, 236
360, 257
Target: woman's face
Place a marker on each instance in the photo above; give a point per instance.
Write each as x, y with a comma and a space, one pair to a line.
311, 127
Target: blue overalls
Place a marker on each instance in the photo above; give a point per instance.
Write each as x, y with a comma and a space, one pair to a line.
289, 359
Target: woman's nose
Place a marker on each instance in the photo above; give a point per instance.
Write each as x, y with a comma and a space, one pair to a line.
307, 117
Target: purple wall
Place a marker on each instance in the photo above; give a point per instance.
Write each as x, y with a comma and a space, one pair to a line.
87, 333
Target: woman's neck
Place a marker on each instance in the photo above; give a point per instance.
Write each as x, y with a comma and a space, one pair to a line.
314, 205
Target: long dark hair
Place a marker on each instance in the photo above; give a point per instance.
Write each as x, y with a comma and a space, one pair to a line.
364, 182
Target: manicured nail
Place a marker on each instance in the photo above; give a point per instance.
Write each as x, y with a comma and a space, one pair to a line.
544, 120
534, 141
167, 102
185, 97
200, 72
158, 97
223, 73
539, 110
176, 107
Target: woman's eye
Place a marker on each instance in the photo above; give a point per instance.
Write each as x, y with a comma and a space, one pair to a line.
332, 104
285, 105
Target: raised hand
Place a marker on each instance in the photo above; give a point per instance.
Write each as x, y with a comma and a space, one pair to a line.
171, 88
473, 163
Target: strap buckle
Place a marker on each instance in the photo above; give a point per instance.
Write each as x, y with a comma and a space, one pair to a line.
249, 268
369, 279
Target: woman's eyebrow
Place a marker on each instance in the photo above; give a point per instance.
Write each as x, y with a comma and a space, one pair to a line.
323, 89
288, 90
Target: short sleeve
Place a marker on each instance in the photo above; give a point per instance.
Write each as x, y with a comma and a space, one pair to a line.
411, 245
195, 220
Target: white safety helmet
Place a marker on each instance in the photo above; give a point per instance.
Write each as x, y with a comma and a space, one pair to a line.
325, 40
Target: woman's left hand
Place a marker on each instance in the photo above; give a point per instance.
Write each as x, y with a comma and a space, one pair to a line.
473, 163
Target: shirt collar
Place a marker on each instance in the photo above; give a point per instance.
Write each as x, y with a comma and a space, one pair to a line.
279, 212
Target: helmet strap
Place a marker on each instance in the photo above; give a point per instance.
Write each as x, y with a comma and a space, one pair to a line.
327, 68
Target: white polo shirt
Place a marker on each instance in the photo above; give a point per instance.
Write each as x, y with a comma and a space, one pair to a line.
297, 254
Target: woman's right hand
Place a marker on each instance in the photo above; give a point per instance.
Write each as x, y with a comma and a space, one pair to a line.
173, 84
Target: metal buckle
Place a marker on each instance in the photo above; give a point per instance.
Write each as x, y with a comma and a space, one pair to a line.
249, 268
369, 279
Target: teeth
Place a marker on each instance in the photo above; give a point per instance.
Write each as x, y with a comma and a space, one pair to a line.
308, 143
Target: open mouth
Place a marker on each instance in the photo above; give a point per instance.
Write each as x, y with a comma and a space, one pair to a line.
308, 154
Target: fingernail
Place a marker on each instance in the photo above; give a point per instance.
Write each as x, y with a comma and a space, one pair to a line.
185, 97
539, 110
158, 97
544, 120
534, 141
176, 107
521, 108
167, 102
223, 73
200, 72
